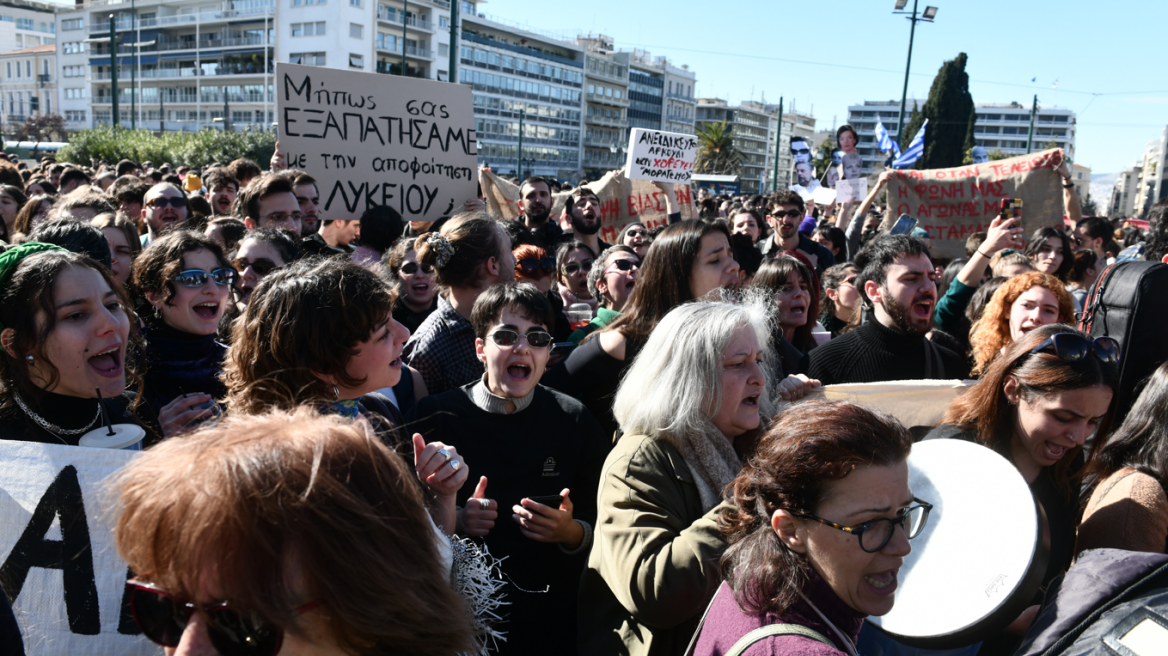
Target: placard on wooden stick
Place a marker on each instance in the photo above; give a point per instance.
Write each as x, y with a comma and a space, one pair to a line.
371, 139
661, 156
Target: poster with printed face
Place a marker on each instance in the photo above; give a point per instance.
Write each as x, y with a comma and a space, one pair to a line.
853, 166
800, 150
951, 204
661, 156
849, 191
372, 139
61, 571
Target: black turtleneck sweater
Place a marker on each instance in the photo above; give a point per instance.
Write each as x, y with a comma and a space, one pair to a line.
874, 353
179, 363
71, 413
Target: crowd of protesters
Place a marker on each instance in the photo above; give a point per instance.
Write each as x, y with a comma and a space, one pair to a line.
603, 418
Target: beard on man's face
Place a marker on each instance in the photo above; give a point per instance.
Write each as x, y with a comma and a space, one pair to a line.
902, 316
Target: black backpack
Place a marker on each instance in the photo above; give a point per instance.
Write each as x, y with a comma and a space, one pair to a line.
1104, 605
1129, 302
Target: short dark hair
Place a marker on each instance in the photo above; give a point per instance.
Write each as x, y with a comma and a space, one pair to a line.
748, 257
785, 197
243, 168
381, 226
837, 237
534, 180
846, 128
247, 203
1156, 247
75, 236
128, 189
1096, 227
219, 176
231, 228
288, 250
126, 167
72, 174
882, 252
525, 298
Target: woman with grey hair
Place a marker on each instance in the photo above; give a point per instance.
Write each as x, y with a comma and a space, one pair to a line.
610, 281
654, 561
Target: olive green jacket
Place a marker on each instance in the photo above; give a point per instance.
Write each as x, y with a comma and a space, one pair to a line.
653, 567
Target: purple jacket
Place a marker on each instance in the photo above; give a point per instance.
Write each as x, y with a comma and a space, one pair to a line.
726, 623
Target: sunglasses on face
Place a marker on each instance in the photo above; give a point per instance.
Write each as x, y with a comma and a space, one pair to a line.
233, 632
162, 201
1070, 347
410, 268
262, 266
623, 265
507, 338
198, 277
794, 214
850, 281
636, 233
529, 265
570, 269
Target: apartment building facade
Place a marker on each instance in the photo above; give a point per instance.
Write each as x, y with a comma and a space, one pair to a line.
26, 23
752, 135
27, 84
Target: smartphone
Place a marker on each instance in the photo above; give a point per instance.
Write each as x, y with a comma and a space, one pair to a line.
904, 225
551, 500
562, 348
1011, 208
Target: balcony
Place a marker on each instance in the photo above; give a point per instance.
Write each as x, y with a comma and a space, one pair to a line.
122, 25
607, 122
602, 143
414, 22
678, 96
605, 75
411, 51
607, 100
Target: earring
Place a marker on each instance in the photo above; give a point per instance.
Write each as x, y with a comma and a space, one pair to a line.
336, 393
157, 313
30, 359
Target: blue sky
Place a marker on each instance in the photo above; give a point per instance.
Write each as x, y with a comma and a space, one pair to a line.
833, 54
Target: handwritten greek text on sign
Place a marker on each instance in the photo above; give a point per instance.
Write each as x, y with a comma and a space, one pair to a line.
372, 139
663, 156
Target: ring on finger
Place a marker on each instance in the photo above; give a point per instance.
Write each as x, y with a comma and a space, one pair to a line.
485, 504
454, 464
444, 453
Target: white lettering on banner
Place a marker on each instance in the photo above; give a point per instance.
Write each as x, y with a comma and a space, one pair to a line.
664, 156
59, 565
372, 139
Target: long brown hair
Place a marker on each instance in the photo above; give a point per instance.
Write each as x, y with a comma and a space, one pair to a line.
986, 412
243, 503
304, 318
807, 448
663, 279
773, 274
475, 239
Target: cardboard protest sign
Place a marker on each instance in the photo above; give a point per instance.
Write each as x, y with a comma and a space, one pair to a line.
372, 139
952, 204
913, 402
664, 156
622, 201
61, 571
849, 191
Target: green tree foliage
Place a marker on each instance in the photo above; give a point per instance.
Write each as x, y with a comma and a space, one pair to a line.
1089, 206
716, 153
970, 142
41, 127
911, 127
948, 110
109, 144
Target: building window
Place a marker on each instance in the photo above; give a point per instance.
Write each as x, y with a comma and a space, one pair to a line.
468, 8
355, 3
74, 115
308, 29
355, 30
356, 61
443, 50
307, 58
72, 24
443, 21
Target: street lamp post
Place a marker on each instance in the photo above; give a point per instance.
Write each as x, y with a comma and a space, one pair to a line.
927, 17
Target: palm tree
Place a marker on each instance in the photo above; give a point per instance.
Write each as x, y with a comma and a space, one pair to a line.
716, 152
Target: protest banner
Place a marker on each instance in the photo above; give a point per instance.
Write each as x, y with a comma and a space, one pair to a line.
912, 402
664, 156
952, 204
622, 201
851, 191
372, 139
61, 571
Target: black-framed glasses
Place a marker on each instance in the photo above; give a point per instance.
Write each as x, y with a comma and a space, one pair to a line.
625, 265
1070, 347
794, 214
572, 268
262, 266
198, 277
529, 265
232, 631
160, 202
850, 280
410, 268
874, 535
509, 338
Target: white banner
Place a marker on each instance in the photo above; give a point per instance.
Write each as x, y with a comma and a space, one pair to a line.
661, 156
913, 402
61, 571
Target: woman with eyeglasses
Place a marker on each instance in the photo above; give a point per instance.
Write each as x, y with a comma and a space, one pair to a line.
416, 291
325, 548
67, 335
533, 265
636, 236
818, 523
574, 259
1037, 405
1020, 305
183, 283
840, 307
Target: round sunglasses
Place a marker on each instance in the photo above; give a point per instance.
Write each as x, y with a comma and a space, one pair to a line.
198, 277
232, 631
570, 269
529, 265
509, 338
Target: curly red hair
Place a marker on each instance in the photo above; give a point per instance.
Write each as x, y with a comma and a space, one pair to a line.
991, 333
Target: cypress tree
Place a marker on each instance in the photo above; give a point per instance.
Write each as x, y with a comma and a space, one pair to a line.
948, 109
915, 121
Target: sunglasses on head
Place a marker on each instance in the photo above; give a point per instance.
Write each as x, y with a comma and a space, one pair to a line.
623, 265
529, 265
1070, 347
232, 631
572, 268
794, 214
262, 266
198, 277
535, 338
410, 268
162, 201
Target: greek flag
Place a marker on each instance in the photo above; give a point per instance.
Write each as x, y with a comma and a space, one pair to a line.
885, 142
914, 150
